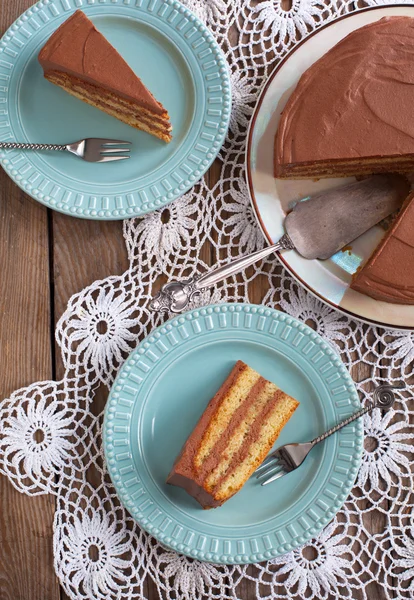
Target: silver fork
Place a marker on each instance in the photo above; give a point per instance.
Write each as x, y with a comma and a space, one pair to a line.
289, 457
99, 150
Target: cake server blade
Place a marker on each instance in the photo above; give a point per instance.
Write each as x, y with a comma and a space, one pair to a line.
328, 221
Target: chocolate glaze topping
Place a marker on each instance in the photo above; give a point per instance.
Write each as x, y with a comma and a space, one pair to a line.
388, 274
356, 101
77, 48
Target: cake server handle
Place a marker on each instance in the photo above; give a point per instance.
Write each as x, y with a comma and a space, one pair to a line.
175, 296
240, 264
19, 146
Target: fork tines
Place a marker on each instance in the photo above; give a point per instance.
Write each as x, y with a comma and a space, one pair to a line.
270, 470
111, 142
113, 149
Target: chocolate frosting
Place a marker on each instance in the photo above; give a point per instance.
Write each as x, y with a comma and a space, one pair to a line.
356, 101
77, 48
388, 274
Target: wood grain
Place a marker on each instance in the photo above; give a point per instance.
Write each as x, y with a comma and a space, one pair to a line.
26, 550
26, 561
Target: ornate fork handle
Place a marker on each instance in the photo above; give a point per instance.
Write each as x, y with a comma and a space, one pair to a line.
383, 398
18, 146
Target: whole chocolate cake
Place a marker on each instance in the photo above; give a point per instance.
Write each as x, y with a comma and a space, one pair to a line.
352, 112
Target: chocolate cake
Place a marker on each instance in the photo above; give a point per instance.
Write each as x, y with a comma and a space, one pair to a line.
388, 274
80, 60
232, 438
352, 112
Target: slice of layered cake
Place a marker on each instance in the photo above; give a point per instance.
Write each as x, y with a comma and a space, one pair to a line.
352, 111
388, 275
232, 437
80, 60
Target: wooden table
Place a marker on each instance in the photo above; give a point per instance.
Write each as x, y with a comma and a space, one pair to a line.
46, 257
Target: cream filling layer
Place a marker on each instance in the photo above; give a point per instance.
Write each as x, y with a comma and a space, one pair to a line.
220, 420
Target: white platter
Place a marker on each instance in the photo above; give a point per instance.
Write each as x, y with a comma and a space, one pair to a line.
329, 280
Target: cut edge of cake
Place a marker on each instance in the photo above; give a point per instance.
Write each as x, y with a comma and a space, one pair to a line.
336, 168
143, 119
333, 122
371, 277
232, 438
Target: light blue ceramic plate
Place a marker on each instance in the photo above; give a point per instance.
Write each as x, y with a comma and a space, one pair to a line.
176, 57
164, 387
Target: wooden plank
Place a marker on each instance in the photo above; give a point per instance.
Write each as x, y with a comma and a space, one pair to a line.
26, 560
84, 251
26, 549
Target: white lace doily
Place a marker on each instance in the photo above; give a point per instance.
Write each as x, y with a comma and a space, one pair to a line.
100, 553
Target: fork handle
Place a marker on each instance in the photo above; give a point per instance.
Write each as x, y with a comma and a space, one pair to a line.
344, 423
383, 398
18, 146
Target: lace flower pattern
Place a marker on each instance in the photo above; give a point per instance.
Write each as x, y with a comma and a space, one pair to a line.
322, 574
404, 564
100, 329
38, 436
43, 431
190, 579
207, 10
238, 218
243, 95
401, 350
96, 544
93, 554
50, 438
272, 21
319, 316
325, 568
169, 230
386, 454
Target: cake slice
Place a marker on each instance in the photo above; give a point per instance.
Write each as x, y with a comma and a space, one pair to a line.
80, 60
388, 275
352, 111
232, 437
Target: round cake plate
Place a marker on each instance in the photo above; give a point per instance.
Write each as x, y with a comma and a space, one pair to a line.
176, 57
164, 387
330, 279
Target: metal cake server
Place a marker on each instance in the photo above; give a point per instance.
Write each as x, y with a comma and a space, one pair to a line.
289, 457
98, 150
316, 228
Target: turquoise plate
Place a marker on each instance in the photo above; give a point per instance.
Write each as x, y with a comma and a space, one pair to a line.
176, 57
164, 387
